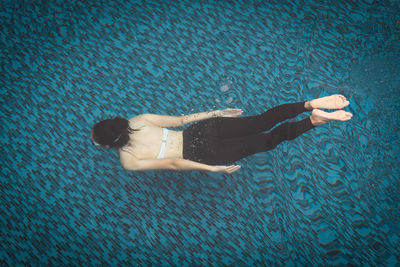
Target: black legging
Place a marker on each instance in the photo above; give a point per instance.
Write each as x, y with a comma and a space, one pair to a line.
223, 140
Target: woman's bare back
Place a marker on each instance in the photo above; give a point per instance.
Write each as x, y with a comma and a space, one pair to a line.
146, 143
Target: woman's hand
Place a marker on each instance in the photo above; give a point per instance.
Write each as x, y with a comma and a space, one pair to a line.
226, 169
229, 112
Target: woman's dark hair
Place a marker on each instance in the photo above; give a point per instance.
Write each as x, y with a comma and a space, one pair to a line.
112, 132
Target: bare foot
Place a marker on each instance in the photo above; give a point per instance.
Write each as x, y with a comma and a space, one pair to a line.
320, 117
330, 102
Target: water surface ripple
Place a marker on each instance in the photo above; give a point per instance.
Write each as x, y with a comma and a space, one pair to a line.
329, 197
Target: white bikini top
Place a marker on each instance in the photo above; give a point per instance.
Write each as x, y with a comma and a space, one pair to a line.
164, 141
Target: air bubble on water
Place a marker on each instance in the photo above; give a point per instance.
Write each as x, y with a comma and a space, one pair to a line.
229, 100
217, 100
224, 88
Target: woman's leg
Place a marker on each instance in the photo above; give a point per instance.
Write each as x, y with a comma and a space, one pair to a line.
229, 127
226, 151
225, 127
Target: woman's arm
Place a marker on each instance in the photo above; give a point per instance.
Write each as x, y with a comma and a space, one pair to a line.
184, 164
199, 116
165, 164
177, 121
175, 164
230, 112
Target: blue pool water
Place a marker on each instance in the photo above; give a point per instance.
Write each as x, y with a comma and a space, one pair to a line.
329, 197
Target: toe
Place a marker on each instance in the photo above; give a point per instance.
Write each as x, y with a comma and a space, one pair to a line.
340, 102
345, 102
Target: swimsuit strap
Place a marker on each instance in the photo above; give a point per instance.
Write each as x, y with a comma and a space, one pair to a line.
164, 141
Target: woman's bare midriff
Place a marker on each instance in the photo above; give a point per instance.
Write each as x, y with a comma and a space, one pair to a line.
146, 143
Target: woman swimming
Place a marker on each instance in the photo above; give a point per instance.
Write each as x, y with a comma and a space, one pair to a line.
219, 137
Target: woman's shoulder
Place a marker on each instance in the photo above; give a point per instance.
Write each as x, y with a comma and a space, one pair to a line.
138, 118
127, 159
137, 122
127, 154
